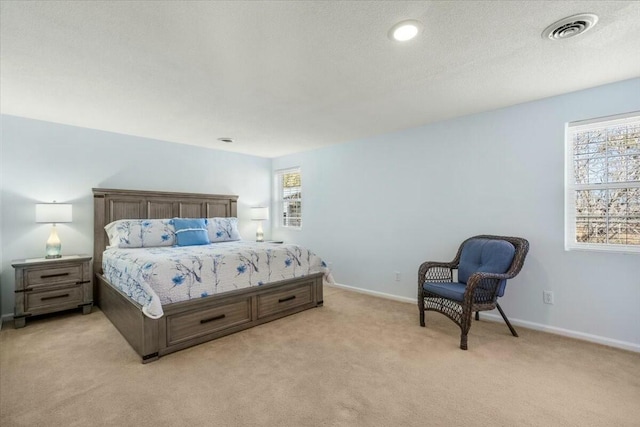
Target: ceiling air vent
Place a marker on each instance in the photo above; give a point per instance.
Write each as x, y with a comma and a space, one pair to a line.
570, 26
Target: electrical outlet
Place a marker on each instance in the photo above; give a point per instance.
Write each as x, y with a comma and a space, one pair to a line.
547, 297
398, 276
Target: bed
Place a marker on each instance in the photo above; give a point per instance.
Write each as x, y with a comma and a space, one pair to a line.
185, 323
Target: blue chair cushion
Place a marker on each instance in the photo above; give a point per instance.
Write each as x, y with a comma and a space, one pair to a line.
487, 256
484, 255
449, 290
478, 255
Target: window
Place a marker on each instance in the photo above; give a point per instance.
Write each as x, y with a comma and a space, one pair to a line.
289, 197
602, 200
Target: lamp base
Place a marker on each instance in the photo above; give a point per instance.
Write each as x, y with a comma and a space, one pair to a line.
53, 247
259, 233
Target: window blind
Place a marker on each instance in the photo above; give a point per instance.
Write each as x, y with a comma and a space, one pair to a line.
289, 197
602, 200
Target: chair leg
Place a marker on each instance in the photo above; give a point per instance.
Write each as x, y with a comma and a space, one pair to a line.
513, 331
477, 315
422, 317
463, 341
465, 326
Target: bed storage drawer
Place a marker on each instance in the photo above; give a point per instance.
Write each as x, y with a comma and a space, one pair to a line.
193, 324
285, 299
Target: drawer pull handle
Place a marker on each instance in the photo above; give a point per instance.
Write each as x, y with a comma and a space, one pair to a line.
57, 296
287, 298
222, 316
47, 276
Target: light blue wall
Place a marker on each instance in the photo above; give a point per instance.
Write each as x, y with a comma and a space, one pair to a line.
43, 161
385, 204
371, 207
1, 222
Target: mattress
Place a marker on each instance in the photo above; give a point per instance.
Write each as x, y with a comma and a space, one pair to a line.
157, 276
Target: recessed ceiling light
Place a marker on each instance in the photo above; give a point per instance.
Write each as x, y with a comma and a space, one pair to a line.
226, 140
405, 30
570, 26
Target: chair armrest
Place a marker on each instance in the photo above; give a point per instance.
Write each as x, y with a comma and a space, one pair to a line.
476, 279
436, 272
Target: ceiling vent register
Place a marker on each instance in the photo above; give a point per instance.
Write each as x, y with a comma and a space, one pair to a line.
570, 26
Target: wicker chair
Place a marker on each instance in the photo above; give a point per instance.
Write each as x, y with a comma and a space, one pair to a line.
484, 264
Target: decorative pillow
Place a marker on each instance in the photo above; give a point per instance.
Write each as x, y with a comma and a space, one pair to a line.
223, 229
191, 231
157, 232
140, 233
125, 233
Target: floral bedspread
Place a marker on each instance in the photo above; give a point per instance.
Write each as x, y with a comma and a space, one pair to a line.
162, 275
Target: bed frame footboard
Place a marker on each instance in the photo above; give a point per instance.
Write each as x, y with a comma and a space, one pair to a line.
193, 322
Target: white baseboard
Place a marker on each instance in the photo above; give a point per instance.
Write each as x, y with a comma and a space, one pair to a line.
375, 293
625, 345
5, 318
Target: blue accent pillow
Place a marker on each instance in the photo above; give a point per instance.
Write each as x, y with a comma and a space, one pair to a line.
191, 231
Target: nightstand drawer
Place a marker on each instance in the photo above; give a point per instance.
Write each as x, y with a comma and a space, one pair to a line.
48, 285
53, 275
276, 302
71, 296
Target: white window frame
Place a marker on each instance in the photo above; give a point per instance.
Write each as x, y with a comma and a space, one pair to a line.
571, 187
279, 198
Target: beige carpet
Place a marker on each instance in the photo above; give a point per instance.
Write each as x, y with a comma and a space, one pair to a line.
357, 361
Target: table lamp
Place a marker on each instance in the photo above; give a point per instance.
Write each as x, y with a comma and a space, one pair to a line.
53, 213
259, 214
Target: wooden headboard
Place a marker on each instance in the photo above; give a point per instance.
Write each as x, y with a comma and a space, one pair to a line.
111, 205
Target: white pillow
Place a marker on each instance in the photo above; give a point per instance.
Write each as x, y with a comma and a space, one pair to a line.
158, 232
139, 233
223, 229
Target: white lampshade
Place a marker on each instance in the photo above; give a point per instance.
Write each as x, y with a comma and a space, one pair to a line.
53, 212
259, 213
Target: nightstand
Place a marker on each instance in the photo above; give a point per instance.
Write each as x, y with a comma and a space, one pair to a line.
274, 241
51, 285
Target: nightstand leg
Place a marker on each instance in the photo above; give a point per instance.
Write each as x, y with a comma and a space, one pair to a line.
18, 322
86, 309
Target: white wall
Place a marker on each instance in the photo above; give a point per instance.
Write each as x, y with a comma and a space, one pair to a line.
42, 162
385, 204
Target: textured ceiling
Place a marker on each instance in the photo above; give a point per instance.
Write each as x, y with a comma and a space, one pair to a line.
284, 76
